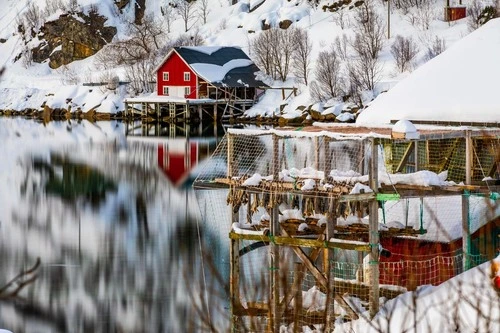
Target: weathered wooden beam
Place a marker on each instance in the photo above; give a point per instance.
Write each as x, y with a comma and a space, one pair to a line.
373, 235
274, 251
303, 242
234, 280
298, 275
406, 156
449, 154
328, 258
469, 164
308, 264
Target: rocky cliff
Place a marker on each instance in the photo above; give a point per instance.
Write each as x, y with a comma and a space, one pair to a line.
72, 36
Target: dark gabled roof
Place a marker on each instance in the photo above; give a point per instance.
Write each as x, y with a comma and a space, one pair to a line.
203, 54
240, 76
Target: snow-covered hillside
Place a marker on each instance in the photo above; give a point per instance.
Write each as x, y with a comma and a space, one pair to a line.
31, 86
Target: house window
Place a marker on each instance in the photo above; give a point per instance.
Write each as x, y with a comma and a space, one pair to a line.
187, 76
165, 90
165, 76
187, 91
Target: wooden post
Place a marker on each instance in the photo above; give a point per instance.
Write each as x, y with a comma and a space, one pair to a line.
234, 281
187, 111
328, 157
200, 113
234, 249
328, 258
417, 162
298, 275
274, 259
465, 231
468, 158
374, 236
215, 112
316, 153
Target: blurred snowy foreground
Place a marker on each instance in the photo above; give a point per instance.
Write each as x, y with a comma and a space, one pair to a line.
466, 303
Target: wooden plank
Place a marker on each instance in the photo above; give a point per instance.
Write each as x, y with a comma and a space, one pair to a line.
302, 242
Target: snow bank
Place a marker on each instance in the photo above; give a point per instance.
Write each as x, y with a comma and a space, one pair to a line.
461, 84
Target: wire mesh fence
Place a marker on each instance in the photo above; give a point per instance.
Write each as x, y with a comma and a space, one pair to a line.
310, 178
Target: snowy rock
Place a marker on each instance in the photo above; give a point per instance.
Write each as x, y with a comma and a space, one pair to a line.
404, 129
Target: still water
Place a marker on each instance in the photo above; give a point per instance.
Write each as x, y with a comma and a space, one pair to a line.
119, 236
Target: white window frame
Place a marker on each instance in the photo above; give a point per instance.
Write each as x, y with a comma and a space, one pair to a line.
166, 90
166, 76
187, 91
187, 76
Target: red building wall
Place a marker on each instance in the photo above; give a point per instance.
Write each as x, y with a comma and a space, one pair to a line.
414, 263
176, 67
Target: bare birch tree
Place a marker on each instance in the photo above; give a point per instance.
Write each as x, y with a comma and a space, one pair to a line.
204, 10
301, 57
404, 51
328, 76
168, 13
187, 12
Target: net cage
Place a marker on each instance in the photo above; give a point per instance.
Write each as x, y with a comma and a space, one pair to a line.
313, 178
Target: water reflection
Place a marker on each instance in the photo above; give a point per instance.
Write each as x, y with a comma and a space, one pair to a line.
117, 230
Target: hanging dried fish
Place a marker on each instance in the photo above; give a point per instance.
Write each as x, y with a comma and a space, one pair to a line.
229, 199
279, 193
244, 197
254, 207
347, 210
309, 207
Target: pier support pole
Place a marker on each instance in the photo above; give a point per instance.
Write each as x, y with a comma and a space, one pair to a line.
374, 236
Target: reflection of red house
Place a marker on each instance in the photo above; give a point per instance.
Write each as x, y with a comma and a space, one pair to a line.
177, 158
417, 262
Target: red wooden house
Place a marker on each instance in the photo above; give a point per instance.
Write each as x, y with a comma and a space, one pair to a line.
203, 72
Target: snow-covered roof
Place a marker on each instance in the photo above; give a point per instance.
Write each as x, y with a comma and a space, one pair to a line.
220, 65
459, 85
